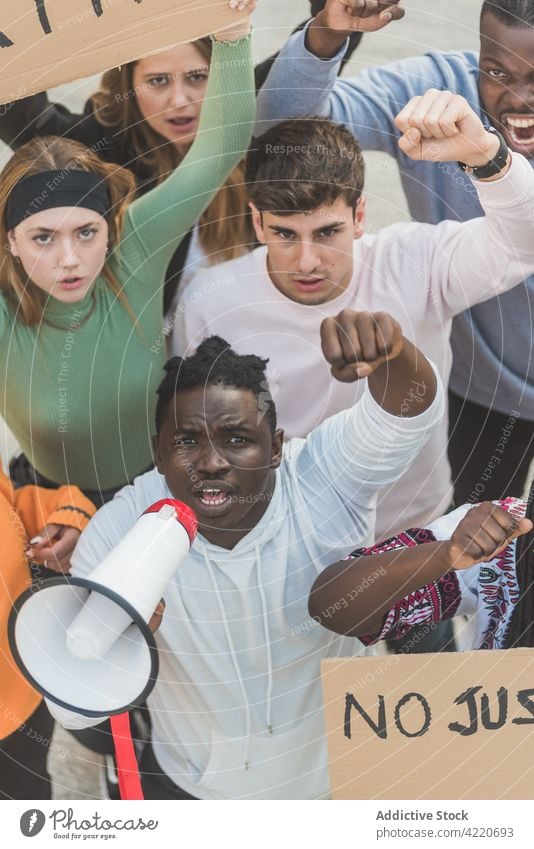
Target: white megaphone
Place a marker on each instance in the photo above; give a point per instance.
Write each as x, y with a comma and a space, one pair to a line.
84, 643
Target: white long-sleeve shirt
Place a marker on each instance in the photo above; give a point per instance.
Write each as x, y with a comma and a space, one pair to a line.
491, 343
239, 680
422, 274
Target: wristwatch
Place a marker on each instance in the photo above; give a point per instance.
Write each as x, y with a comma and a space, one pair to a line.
495, 165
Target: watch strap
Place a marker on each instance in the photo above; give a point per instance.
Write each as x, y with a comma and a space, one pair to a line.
495, 165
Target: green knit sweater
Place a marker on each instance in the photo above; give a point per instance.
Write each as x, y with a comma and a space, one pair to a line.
78, 390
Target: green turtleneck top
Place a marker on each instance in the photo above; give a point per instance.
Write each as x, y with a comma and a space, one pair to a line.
78, 389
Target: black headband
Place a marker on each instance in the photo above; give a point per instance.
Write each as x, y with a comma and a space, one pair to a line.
51, 189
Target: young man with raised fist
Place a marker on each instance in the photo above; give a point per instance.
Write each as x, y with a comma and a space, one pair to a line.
305, 182
492, 378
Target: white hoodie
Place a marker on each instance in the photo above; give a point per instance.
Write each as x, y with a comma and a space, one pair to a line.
236, 711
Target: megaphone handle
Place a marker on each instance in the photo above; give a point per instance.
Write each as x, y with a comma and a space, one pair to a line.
127, 768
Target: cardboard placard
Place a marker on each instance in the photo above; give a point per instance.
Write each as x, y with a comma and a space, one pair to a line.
44, 43
431, 726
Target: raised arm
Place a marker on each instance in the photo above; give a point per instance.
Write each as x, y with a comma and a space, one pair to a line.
355, 453
262, 70
371, 345
338, 19
156, 223
304, 82
472, 261
357, 596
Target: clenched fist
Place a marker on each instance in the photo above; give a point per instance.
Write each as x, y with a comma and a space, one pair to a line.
339, 19
441, 127
357, 343
483, 532
360, 15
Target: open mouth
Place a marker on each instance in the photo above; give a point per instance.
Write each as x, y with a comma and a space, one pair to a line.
520, 129
181, 124
213, 499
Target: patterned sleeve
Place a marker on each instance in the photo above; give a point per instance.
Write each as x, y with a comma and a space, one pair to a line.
434, 602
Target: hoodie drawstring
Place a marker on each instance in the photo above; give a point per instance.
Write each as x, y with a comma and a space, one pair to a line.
233, 654
267, 636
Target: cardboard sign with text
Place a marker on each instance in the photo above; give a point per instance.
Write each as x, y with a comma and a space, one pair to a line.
44, 43
431, 726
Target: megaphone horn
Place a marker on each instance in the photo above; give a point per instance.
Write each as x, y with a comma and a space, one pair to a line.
85, 643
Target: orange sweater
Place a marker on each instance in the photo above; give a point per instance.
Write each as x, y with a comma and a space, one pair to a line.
24, 512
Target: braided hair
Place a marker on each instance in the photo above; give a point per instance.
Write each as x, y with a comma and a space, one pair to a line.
215, 363
520, 633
